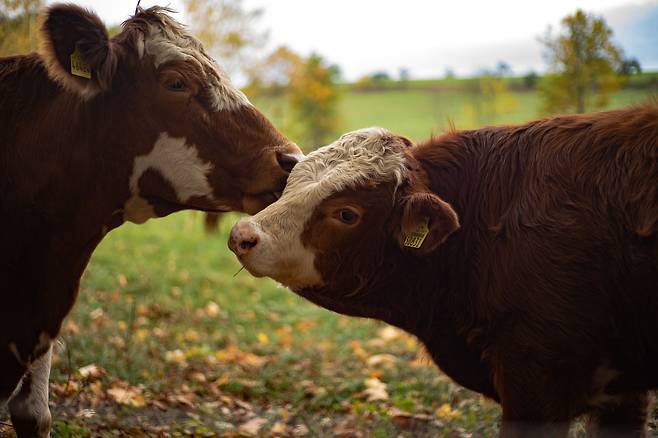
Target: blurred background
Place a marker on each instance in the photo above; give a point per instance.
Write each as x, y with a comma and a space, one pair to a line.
170, 338
319, 70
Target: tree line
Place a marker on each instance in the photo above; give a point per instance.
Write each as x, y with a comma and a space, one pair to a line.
585, 66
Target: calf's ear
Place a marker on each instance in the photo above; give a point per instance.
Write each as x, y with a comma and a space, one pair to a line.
77, 50
426, 222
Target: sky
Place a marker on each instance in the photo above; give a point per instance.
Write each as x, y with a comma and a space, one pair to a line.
427, 37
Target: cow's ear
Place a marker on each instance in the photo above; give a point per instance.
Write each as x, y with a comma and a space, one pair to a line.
426, 222
77, 50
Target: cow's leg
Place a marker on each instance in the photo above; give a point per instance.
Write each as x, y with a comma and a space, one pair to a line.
531, 425
13, 369
626, 417
532, 406
29, 407
211, 222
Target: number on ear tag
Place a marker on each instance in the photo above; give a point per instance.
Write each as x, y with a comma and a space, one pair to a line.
416, 238
78, 65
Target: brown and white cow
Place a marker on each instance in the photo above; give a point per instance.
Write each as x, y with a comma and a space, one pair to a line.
524, 258
146, 126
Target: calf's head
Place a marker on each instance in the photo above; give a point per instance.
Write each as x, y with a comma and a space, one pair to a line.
349, 211
187, 137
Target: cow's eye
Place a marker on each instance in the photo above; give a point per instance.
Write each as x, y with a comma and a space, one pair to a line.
176, 85
348, 216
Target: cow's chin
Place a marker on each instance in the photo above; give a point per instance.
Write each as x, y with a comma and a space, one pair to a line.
289, 278
164, 207
252, 204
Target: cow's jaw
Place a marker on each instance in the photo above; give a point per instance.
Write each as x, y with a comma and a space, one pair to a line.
179, 164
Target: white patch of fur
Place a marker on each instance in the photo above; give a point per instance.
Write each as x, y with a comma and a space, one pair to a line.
179, 164
354, 159
35, 405
167, 41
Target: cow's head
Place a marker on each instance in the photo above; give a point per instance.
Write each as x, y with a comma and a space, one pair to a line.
157, 99
349, 210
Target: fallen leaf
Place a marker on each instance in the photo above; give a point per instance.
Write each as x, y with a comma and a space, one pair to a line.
358, 351
160, 405
263, 339
199, 377
406, 419
212, 309
72, 327
388, 333
384, 360
252, 426
445, 412
91, 371
231, 354
176, 356
375, 389
300, 430
278, 428
305, 324
183, 399
127, 395
191, 335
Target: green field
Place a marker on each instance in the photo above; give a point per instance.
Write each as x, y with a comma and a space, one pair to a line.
169, 338
425, 108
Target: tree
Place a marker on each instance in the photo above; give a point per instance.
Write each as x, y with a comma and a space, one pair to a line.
273, 74
404, 75
227, 31
313, 95
583, 65
630, 66
503, 68
530, 80
490, 97
18, 23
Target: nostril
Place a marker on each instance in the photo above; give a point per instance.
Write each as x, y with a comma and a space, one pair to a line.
247, 244
287, 161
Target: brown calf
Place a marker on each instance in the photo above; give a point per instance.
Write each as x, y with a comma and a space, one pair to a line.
96, 131
525, 258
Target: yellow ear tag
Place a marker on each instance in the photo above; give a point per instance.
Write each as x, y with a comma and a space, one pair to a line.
78, 65
417, 237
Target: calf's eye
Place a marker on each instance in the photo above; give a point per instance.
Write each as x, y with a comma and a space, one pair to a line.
176, 85
348, 216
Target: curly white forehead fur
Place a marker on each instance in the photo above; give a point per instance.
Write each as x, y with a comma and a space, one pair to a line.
353, 159
167, 40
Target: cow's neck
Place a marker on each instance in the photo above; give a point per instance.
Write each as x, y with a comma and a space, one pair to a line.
62, 204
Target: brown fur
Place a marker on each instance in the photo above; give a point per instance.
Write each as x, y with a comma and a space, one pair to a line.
550, 280
67, 147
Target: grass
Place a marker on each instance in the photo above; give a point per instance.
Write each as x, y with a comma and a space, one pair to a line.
427, 107
168, 338
184, 346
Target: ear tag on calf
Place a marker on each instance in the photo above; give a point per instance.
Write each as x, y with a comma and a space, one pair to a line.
78, 65
417, 236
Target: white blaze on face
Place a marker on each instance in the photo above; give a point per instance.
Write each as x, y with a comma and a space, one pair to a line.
352, 160
179, 164
167, 41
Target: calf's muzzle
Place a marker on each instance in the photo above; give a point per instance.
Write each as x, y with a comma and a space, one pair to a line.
243, 238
